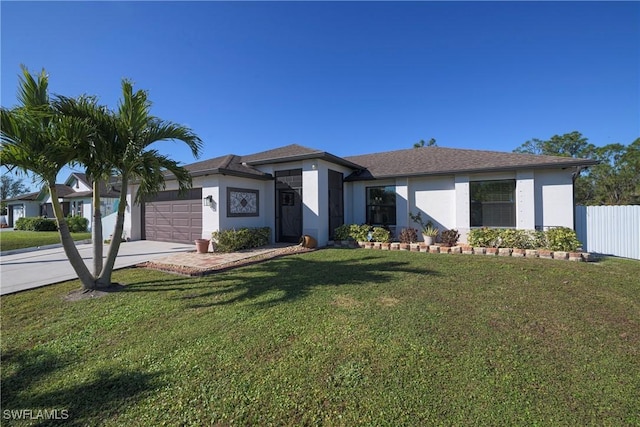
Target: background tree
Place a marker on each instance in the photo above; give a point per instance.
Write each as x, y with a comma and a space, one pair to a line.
421, 143
615, 181
10, 187
571, 144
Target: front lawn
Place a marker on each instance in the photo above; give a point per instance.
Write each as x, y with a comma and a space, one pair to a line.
16, 239
336, 337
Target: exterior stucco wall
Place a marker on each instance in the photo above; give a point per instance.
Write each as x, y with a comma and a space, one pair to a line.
265, 204
554, 198
435, 198
543, 199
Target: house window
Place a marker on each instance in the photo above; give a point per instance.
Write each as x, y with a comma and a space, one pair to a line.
381, 205
492, 203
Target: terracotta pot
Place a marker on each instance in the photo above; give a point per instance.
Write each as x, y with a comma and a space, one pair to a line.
308, 242
202, 245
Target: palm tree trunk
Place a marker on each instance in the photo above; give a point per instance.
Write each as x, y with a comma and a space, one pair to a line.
70, 249
96, 231
114, 245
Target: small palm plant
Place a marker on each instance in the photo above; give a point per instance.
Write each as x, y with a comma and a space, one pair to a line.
427, 228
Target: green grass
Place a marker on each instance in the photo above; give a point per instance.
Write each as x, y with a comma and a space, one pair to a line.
336, 337
16, 239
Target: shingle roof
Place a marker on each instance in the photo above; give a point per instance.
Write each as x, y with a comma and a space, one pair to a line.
226, 165
26, 197
232, 164
295, 152
441, 161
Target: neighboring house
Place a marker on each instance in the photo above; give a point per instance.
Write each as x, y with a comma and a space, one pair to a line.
75, 196
297, 190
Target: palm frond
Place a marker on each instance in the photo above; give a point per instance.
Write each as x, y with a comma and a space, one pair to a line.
33, 93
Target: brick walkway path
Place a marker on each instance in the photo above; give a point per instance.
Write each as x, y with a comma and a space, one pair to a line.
196, 264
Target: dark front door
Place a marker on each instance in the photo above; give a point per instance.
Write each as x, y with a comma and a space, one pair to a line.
336, 202
289, 205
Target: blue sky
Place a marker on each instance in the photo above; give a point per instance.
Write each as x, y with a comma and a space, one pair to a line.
348, 78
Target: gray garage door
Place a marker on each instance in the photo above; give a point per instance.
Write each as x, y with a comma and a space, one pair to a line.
170, 218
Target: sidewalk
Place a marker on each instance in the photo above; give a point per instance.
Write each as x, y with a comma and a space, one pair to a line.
32, 269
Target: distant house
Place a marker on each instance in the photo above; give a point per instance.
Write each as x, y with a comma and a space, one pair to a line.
75, 196
297, 190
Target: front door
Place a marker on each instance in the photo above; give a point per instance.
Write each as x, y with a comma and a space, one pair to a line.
289, 205
336, 204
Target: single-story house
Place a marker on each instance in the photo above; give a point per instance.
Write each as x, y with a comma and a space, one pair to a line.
75, 195
298, 191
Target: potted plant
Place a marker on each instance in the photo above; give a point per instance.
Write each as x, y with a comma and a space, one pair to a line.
429, 232
202, 245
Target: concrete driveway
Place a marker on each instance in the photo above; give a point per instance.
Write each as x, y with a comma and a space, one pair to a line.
28, 270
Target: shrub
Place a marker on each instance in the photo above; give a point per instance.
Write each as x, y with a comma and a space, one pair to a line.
243, 238
540, 239
360, 233
24, 224
562, 239
555, 239
519, 239
36, 224
408, 235
45, 224
449, 237
77, 224
381, 235
342, 232
483, 237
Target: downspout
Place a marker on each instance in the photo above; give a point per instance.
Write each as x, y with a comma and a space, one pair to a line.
574, 177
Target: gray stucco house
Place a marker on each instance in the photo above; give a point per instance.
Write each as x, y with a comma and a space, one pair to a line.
297, 190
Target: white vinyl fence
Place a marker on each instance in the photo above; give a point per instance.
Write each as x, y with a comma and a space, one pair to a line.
610, 230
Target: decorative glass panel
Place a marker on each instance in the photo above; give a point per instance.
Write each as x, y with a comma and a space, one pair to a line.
242, 202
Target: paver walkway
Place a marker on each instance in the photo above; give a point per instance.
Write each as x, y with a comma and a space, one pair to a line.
196, 264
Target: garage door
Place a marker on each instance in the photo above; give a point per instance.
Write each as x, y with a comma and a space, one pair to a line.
170, 218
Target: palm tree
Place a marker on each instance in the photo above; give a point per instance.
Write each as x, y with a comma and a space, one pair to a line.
123, 148
36, 138
43, 135
93, 155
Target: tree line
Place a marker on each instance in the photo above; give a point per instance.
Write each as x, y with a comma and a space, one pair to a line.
614, 181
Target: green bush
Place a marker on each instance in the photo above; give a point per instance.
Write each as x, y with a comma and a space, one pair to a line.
562, 239
24, 224
77, 224
483, 237
342, 232
35, 224
360, 233
381, 235
555, 239
244, 238
519, 239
